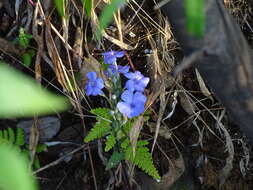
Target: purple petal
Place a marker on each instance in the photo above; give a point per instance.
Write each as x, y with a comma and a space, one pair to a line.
110, 60
124, 108
137, 110
123, 69
88, 89
119, 53
139, 98
130, 75
138, 75
91, 76
127, 96
96, 91
99, 83
130, 85
108, 53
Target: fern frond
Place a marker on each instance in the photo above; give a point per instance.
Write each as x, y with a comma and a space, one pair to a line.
110, 142
114, 160
102, 113
1, 134
100, 129
142, 158
11, 135
5, 134
20, 137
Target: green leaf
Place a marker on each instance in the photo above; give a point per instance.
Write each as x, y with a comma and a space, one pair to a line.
114, 160
195, 17
14, 173
107, 14
23, 38
21, 96
27, 59
41, 148
100, 129
142, 158
88, 6
60, 5
11, 135
110, 142
102, 113
20, 137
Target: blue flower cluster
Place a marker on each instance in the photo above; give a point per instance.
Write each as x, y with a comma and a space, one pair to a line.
94, 85
133, 100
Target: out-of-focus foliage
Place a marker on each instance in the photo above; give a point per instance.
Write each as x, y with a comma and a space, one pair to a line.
195, 17
14, 173
107, 14
88, 6
20, 96
60, 4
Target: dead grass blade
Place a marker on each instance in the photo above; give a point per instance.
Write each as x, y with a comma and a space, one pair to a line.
226, 170
202, 86
135, 132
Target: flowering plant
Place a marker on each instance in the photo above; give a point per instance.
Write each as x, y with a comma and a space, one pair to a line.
126, 104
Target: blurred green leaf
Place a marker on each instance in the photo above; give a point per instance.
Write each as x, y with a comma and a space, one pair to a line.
14, 173
88, 6
195, 17
21, 96
60, 4
107, 14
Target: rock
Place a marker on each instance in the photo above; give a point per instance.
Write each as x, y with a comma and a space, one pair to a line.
48, 128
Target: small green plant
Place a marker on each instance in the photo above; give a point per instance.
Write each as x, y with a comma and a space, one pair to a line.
24, 41
114, 123
17, 138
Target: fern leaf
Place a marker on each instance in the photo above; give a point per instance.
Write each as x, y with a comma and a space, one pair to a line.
41, 147
110, 142
1, 134
20, 137
100, 129
11, 135
36, 162
142, 159
114, 160
102, 113
5, 135
125, 144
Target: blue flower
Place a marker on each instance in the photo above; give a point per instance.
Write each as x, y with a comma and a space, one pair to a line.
94, 84
113, 69
110, 57
136, 82
132, 104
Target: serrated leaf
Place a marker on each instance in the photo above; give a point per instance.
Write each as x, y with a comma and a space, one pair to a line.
100, 129
142, 158
20, 137
14, 173
22, 97
115, 159
195, 17
107, 14
102, 113
40, 148
125, 144
110, 142
11, 135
